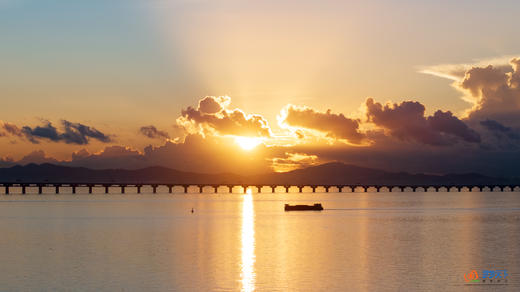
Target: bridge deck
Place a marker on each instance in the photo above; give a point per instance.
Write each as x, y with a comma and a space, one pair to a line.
25, 186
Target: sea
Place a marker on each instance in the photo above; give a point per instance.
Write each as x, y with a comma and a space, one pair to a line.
387, 241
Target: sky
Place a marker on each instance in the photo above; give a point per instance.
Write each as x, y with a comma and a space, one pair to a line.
256, 86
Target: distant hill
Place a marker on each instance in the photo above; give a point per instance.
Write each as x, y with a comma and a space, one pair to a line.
327, 174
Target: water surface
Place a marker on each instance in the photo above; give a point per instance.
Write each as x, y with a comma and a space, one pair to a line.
361, 242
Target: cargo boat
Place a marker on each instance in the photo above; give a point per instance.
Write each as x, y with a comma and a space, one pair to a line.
315, 207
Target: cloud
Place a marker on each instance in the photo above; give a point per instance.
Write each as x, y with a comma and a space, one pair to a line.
501, 131
446, 122
73, 133
456, 72
291, 161
406, 121
196, 153
333, 125
76, 133
115, 156
80, 154
10, 129
494, 91
152, 132
212, 116
214, 104
492, 86
37, 156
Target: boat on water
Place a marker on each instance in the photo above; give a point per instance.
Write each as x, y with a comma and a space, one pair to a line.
315, 207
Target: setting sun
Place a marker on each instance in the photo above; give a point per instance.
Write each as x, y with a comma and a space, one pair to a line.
248, 143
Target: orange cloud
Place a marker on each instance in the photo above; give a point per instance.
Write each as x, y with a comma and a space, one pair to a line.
335, 126
292, 161
212, 116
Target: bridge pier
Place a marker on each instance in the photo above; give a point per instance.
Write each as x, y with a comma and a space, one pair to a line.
57, 189
244, 189
138, 188
313, 189
201, 189
7, 189
215, 188
89, 189
327, 189
74, 189
40, 189
23, 189
106, 189
287, 188
273, 189
122, 189
365, 189
259, 189
170, 189
230, 189
300, 189
378, 189
154, 189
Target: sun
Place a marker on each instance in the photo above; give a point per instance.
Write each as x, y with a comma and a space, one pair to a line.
248, 143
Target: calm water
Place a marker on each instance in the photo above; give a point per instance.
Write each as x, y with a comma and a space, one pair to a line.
232, 242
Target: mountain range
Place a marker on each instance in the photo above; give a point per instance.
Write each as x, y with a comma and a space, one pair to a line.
325, 174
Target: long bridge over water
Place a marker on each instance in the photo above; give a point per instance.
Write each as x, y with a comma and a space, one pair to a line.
23, 187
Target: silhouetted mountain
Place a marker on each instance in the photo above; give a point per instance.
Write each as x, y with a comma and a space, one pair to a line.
339, 173
327, 174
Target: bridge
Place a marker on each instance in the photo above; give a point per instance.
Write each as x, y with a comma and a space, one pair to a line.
7, 187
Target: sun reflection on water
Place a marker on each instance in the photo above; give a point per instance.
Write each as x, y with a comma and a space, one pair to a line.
248, 243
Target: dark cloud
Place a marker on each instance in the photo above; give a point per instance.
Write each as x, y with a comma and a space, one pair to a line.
76, 133
406, 121
153, 133
47, 131
212, 117
333, 125
445, 122
72, 133
500, 129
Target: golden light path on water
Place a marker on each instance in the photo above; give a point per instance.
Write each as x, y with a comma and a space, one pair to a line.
248, 243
